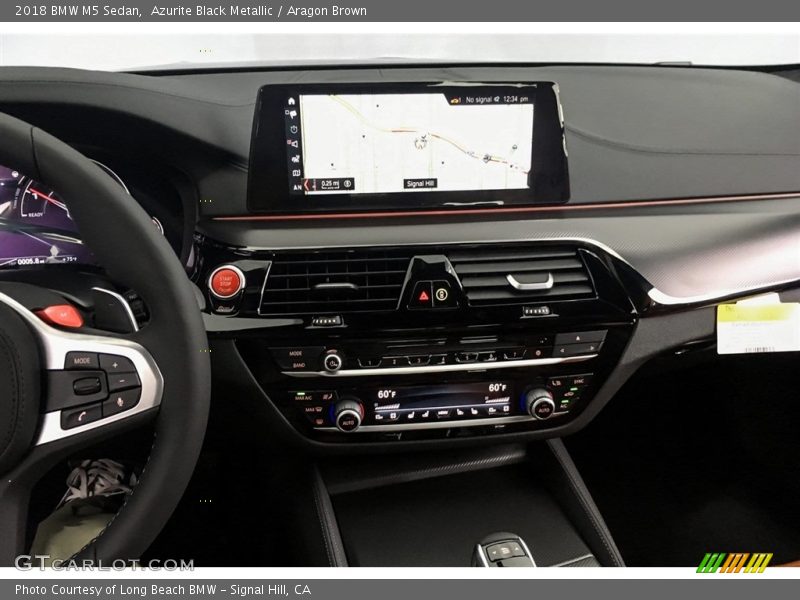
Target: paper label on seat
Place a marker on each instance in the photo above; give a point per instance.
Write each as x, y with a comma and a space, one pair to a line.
762, 325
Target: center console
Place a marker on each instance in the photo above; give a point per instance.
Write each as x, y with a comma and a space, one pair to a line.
360, 345
424, 341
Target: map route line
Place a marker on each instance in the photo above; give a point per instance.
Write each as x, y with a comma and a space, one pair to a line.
460, 147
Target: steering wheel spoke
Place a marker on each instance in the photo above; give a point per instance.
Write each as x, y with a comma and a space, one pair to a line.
62, 390
92, 380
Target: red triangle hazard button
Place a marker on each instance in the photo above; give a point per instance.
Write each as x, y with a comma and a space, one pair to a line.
422, 296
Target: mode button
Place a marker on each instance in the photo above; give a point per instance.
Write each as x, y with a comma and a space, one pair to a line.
298, 358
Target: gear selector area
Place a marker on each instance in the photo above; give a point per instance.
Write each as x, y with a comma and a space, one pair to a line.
502, 549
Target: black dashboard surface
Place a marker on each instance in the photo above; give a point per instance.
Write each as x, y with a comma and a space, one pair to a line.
632, 132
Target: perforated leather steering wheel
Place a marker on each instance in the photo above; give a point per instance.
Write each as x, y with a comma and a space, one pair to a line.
169, 354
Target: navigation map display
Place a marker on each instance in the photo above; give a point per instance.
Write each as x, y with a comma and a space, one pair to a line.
391, 143
357, 147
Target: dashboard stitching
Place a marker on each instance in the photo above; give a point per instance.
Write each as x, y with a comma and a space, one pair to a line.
322, 521
580, 494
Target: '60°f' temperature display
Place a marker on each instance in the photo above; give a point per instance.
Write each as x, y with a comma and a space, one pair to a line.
455, 400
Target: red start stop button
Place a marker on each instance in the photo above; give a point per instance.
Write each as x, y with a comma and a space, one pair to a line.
226, 282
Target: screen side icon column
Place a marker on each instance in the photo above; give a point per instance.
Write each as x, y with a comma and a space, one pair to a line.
294, 149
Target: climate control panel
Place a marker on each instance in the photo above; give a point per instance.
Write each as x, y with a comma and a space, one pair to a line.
387, 408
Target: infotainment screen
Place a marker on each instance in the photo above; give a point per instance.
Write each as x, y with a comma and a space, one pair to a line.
396, 147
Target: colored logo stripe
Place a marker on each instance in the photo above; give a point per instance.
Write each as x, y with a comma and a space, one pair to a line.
734, 563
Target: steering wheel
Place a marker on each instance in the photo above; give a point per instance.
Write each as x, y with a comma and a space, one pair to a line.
169, 354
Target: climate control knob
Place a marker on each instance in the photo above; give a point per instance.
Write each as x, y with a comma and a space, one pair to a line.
539, 403
348, 414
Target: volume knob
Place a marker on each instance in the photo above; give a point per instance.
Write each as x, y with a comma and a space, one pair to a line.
348, 414
332, 362
539, 403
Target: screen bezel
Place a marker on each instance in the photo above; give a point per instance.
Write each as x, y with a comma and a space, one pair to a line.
268, 182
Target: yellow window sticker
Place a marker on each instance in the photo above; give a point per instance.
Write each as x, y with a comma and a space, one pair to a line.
753, 326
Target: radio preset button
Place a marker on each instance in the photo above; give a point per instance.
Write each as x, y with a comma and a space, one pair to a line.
395, 361
514, 354
438, 359
418, 360
490, 356
369, 363
466, 357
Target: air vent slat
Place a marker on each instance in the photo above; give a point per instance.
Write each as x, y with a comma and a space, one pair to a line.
484, 274
336, 281
498, 255
501, 281
522, 266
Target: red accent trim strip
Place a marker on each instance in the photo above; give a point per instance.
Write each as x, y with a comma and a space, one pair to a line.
512, 209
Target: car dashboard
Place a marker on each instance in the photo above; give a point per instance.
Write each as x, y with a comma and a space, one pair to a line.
416, 318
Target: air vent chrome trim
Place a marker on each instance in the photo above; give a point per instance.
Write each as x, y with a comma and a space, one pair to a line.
527, 287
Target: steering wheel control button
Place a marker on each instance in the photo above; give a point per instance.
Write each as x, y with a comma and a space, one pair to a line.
67, 389
298, 358
226, 282
120, 402
123, 381
61, 315
332, 362
87, 386
81, 360
422, 296
111, 363
82, 415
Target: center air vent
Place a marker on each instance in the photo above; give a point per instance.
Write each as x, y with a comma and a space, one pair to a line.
334, 282
517, 275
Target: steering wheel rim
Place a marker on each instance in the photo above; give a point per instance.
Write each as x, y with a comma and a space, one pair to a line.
132, 252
